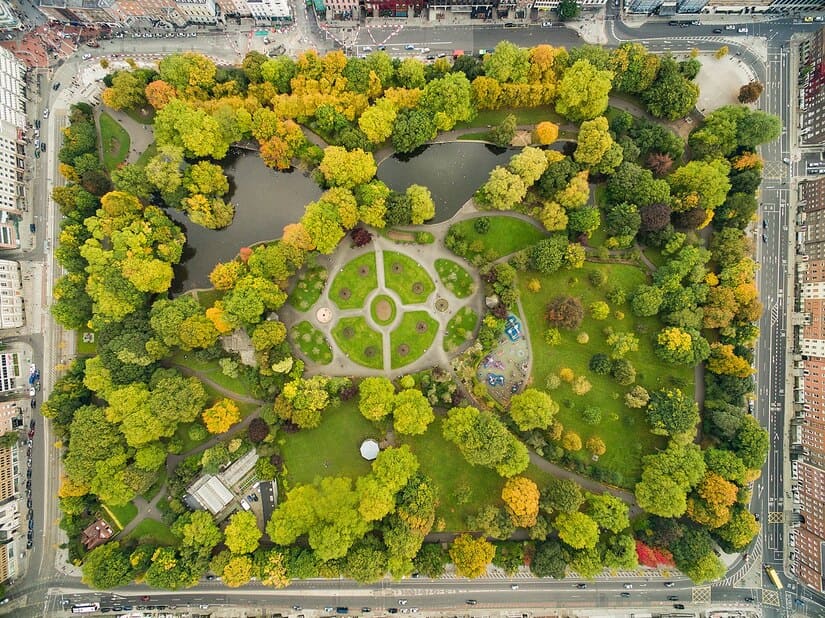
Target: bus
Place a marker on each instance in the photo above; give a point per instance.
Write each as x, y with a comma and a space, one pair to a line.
772, 575
85, 608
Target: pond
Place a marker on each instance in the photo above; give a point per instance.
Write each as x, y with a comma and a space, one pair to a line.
265, 201
452, 171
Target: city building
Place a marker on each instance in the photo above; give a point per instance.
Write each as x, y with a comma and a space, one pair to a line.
12, 375
9, 520
269, 12
585, 5
11, 416
643, 6
77, 12
145, 13
203, 12
11, 295
210, 494
8, 20
12, 147
812, 88
97, 533
9, 470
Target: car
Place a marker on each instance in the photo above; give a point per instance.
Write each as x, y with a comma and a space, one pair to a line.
366, 610
749, 599
86, 56
144, 598
786, 160
382, 47
684, 24
742, 30
32, 392
509, 24
678, 606
29, 473
414, 610
764, 238
471, 602
37, 142
210, 578
28, 484
673, 598
717, 31
33, 403
29, 503
581, 586
36, 154
764, 224
193, 34
297, 608
730, 27
46, 113
425, 50
669, 584
43, 146
624, 594
409, 47
37, 123
56, 86
547, 24
204, 606
32, 424
627, 586
442, 55
430, 57
392, 610
367, 49
329, 609
29, 544
513, 586
402, 601
31, 524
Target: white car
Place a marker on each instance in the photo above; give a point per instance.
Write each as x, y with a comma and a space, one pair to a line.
730, 27
32, 392
742, 31
86, 56
46, 113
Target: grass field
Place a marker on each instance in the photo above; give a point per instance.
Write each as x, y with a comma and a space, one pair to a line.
122, 515
211, 370
624, 431
331, 449
505, 236
359, 341
311, 342
526, 115
308, 287
454, 278
460, 328
402, 274
114, 141
154, 532
354, 285
147, 154
143, 116
85, 348
407, 333
443, 462
182, 434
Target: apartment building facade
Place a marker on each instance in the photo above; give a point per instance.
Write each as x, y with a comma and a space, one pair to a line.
12, 148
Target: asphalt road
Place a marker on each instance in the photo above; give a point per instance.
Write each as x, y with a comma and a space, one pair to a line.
770, 359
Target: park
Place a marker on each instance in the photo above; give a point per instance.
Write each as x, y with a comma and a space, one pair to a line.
557, 361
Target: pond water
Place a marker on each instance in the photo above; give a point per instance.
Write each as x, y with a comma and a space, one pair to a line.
452, 172
265, 201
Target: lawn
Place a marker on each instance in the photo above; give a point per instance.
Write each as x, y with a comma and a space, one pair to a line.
354, 282
182, 434
120, 515
85, 348
525, 115
114, 141
623, 430
460, 328
455, 278
362, 344
331, 449
153, 532
207, 298
505, 236
147, 154
311, 342
412, 337
210, 370
308, 287
143, 116
443, 462
407, 278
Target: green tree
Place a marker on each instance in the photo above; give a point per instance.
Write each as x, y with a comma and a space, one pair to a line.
561, 495
198, 530
671, 95
343, 168
242, 533
532, 409
421, 203
483, 440
582, 91
503, 189
670, 412
107, 567
507, 63
412, 412
609, 512
549, 560
577, 530
377, 395
568, 10
413, 128
646, 300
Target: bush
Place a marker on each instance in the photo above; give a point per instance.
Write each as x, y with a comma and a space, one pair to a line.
597, 278
197, 432
637, 397
592, 415
623, 372
617, 296
581, 386
583, 338
482, 225
552, 336
599, 310
600, 364
566, 374
552, 381
565, 311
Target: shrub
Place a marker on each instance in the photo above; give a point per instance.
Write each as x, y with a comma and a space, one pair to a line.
592, 415
597, 278
617, 296
482, 225
637, 397
566, 374
552, 336
571, 441
583, 338
600, 364
552, 381
581, 386
534, 285
599, 310
565, 311
623, 372
596, 446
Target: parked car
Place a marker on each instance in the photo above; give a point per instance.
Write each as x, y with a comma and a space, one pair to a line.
678, 606
581, 586
669, 584
409, 47
56, 86
86, 56
46, 113
673, 598
625, 594
32, 392
32, 228
717, 31
730, 27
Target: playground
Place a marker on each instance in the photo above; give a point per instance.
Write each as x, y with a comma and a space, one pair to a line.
506, 368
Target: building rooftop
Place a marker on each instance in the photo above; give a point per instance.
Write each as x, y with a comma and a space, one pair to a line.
96, 534
211, 493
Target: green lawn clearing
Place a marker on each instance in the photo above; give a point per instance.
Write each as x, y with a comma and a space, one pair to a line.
153, 532
524, 115
85, 348
182, 434
460, 328
207, 298
120, 515
308, 287
443, 462
331, 449
407, 278
143, 159
412, 337
145, 115
505, 236
210, 370
624, 431
114, 141
382, 310
312, 343
455, 278
360, 342
354, 282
